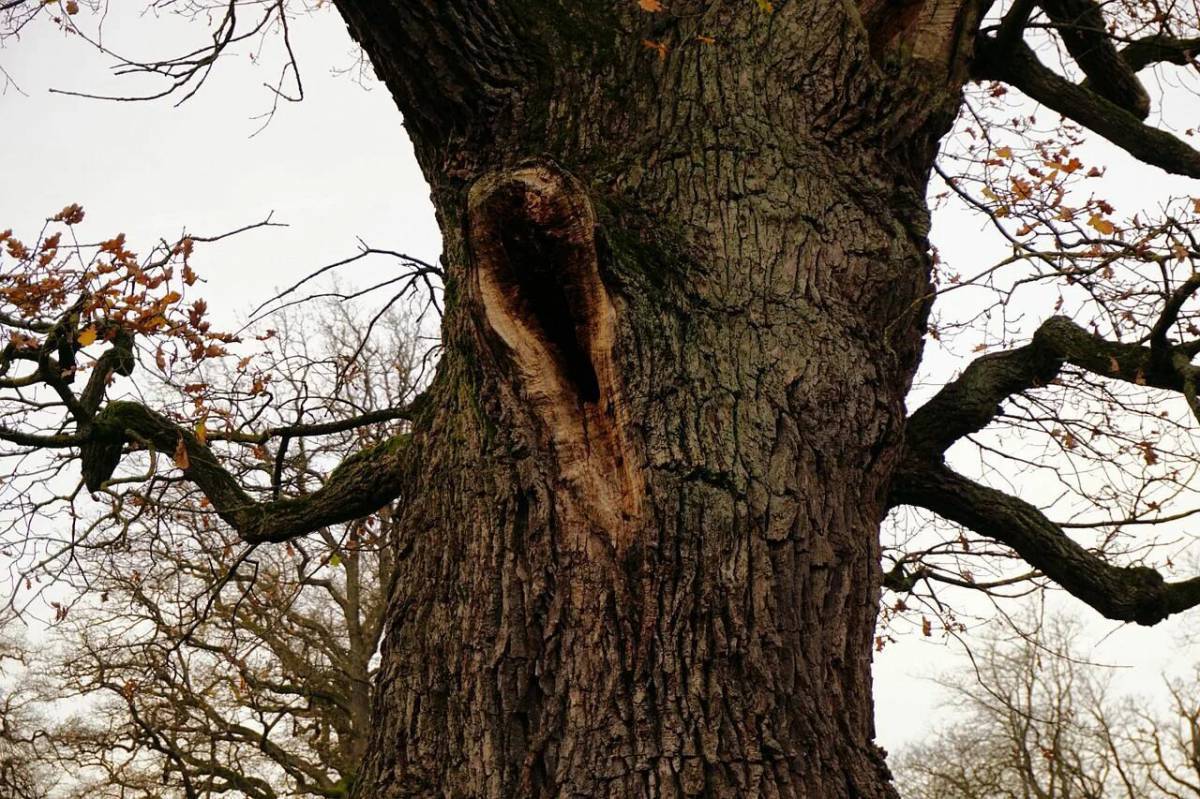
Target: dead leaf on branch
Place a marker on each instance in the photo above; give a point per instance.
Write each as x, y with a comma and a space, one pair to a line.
181, 455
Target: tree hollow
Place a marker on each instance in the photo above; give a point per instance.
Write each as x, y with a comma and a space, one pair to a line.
532, 236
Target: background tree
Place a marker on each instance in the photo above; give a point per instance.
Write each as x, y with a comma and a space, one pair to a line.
687, 287
21, 773
199, 667
1037, 719
1165, 746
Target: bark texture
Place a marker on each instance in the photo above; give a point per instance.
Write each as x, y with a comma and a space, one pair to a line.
687, 268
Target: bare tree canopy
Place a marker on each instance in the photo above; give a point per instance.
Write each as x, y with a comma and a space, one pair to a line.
192, 664
1038, 719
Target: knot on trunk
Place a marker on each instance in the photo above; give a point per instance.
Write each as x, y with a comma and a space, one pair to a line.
532, 237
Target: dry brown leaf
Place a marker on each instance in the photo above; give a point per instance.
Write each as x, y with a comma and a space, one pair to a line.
181, 455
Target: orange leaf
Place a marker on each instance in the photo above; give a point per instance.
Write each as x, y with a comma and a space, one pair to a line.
657, 47
1102, 225
650, 5
181, 455
87, 336
71, 215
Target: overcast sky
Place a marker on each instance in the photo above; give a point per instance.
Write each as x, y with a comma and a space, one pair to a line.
335, 167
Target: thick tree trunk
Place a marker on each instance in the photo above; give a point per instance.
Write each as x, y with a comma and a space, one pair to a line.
685, 301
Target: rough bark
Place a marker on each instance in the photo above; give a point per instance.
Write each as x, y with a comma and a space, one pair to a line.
685, 300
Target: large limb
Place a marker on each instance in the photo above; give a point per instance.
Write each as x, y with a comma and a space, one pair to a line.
969, 403
1159, 49
1124, 593
1082, 28
1019, 66
362, 484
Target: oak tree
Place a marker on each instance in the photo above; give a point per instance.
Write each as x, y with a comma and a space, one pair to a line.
687, 288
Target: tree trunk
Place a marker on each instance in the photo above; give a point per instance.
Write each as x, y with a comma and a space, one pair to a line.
687, 279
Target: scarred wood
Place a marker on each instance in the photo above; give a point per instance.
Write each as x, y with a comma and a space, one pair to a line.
571, 383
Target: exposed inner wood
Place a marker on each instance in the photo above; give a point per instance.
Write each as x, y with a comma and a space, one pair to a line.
532, 233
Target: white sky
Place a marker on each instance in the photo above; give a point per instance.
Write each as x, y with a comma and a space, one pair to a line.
333, 167
336, 166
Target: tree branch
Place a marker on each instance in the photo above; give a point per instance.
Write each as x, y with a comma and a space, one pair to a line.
362, 484
23, 439
1124, 593
1019, 66
1158, 49
316, 429
1012, 26
969, 403
1081, 26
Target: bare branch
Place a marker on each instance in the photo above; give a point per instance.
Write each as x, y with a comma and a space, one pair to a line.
1130, 593
1019, 66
